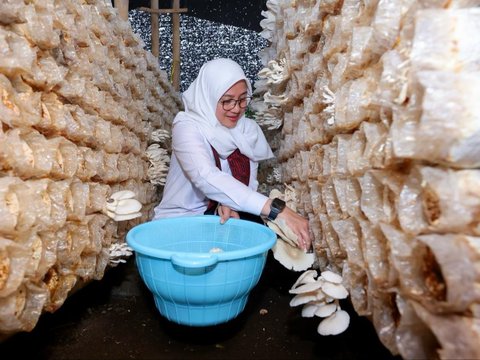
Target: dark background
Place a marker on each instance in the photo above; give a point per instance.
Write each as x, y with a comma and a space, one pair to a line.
211, 29
245, 14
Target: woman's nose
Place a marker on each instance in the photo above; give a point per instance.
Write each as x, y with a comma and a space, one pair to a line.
237, 107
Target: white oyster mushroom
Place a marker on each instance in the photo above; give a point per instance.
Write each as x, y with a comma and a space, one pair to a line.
334, 324
324, 310
273, 5
279, 72
258, 105
331, 277
305, 298
158, 159
160, 135
319, 297
284, 231
286, 250
122, 206
269, 21
274, 99
308, 287
291, 257
122, 194
310, 308
329, 100
275, 73
336, 291
306, 277
118, 253
290, 197
264, 73
261, 86
266, 34
267, 121
275, 175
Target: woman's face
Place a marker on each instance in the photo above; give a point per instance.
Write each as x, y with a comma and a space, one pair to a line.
230, 117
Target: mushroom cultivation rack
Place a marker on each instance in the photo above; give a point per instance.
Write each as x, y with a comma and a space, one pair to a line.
85, 114
372, 106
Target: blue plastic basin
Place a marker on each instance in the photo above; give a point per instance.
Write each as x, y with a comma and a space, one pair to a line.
199, 271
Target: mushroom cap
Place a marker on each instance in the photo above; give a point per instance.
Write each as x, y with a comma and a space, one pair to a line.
332, 277
283, 231
126, 216
125, 206
305, 277
291, 257
324, 310
336, 291
123, 194
279, 231
310, 308
334, 324
308, 287
301, 299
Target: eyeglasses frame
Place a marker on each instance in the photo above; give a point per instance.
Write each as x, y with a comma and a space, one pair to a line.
236, 102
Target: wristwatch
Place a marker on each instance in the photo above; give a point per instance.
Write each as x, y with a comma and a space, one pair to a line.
276, 208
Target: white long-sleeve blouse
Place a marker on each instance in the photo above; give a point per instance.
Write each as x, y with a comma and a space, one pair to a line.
193, 179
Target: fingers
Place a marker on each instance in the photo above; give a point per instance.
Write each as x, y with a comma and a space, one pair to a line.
307, 241
300, 227
226, 213
305, 236
303, 242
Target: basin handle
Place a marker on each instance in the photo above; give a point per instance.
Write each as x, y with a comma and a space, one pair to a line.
197, 261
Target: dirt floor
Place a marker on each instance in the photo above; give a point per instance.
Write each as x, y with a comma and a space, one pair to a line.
116, 318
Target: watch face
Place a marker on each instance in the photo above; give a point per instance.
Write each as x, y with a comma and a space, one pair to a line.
278, 204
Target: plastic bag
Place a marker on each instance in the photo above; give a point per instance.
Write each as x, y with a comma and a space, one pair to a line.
14, 258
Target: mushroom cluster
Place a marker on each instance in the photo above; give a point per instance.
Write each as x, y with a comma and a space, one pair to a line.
158, 157
320, 296
158, 164
122, 206
267, 105
118, 252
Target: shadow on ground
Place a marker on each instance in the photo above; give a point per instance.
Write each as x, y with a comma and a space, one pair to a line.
116, 318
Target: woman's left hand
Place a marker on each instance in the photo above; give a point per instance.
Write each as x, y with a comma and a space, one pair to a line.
226, 213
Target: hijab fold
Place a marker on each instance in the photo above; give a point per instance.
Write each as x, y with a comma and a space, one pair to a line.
200, 102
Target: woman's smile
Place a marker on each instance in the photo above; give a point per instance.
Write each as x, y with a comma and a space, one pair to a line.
233, 117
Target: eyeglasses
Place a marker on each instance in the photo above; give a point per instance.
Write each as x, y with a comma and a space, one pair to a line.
231, 103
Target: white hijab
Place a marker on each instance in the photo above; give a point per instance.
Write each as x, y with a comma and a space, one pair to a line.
200, 101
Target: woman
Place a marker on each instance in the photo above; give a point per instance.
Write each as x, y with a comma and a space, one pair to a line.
215, 154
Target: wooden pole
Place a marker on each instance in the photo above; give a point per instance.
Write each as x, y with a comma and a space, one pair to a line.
155, 25
176, 45
122, 6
